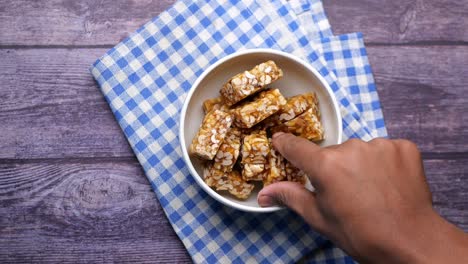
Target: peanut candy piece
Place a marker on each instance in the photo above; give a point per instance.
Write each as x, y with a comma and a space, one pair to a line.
230, 181
216, 179
254, 172
306, 125
211, 134
294, 174
282, 170
229, 151
265, 104
255, 151
277, 171
249, 82
214, 103
294, 106
255, 148
240, 188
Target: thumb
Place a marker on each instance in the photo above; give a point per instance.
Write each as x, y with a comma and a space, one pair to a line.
296, 197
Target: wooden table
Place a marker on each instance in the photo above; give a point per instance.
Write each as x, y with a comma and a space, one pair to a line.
71, 189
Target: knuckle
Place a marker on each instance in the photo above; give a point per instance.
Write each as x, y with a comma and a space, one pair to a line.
286, 196
331, 166
282, 199
328, 159
384, 145
380, 142
407, 146
353, 142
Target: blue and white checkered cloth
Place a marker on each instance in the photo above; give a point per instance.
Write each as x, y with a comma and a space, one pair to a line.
145, 79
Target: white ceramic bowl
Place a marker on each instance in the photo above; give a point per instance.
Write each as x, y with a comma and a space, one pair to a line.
299, 77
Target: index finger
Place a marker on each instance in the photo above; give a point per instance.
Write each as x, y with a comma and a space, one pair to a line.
301, 152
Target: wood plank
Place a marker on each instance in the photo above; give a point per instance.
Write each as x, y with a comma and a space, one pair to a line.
401, 21
52, 108
448, 180
69, 22
106, 22
83, 212
422, 90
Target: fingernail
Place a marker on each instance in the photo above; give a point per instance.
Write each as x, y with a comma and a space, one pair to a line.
266, 201
277, 134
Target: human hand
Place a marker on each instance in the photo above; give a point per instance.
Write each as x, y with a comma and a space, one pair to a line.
371, 199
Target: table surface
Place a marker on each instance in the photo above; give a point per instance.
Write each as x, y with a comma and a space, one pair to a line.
71, 189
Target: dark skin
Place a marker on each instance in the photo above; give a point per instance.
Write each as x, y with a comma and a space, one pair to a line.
371, 199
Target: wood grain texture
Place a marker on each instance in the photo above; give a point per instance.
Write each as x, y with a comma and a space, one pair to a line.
83, 212
106, 22
72, 23
401, 21
448, 180
422, 91
52, 108
70, 188
106, 212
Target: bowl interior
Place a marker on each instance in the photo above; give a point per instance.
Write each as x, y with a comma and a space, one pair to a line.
297, 80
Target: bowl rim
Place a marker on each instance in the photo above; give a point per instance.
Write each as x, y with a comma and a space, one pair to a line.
200, 78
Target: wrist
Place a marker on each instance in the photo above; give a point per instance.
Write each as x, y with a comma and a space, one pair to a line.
425, 238
442, 242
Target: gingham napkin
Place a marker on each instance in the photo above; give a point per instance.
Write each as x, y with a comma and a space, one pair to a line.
145, 79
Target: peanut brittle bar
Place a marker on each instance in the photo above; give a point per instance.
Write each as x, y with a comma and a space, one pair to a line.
227, 181
214, 178
280, 169
249, 82
294, 174
294, 106
228, 152
211, 134
277, 171
214, 104
239, 188
264, 105
254, 172
255, 151
306, 125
